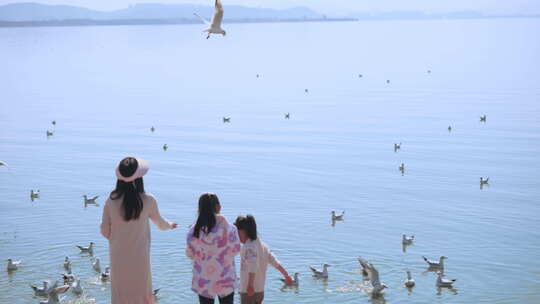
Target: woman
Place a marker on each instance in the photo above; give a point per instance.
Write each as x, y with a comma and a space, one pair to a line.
212, 244
125, 225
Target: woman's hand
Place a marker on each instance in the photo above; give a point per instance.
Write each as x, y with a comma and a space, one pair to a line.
288, 280
174, 225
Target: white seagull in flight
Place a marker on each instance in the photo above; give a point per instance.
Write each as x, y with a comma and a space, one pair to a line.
215, 25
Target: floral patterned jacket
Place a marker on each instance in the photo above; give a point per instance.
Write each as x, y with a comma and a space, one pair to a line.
213, 255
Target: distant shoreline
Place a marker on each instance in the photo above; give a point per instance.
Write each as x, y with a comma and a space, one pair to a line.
93, 22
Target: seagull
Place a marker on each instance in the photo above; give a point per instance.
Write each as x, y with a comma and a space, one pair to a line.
89, 249
40, 292
49, 133
287, 115
34, 195
337, 217
156, 291
3, 164
54, 122
320, 274
106, 275
152, 129
409, 282
215, 25
435, 264
295, 282
68, 278
378, 287
53, 292
484, 181
364, 265
483, 118
13, 265
449, 128
397, 147
407, 240
165, 147
67, 264
90, 201
96, 265
226, 119
77, 287
442, 282
402, 168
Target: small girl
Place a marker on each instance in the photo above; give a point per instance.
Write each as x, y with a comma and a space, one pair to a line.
255, 257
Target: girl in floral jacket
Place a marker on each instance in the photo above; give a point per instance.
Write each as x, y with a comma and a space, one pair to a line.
212, 244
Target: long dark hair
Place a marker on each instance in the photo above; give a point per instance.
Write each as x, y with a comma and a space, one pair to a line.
248, 224
206, 221
132, 202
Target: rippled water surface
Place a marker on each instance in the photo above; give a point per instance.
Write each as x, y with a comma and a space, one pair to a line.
106, 86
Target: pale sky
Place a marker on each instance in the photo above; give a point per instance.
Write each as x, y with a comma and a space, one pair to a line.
333, 6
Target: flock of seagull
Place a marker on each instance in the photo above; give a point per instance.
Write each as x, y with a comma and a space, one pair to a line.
68, 280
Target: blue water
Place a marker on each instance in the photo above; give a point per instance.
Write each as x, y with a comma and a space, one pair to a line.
106, 86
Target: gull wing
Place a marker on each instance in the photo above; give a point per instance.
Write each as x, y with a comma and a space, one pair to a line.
95, 197
218, 15
374, 276
202, 19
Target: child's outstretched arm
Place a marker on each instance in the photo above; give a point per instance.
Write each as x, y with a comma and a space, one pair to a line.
274, 262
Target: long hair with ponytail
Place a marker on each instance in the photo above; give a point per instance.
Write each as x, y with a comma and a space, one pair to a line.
132, 204
206, 221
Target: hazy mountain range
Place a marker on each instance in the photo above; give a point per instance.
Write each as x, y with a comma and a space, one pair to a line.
29, 14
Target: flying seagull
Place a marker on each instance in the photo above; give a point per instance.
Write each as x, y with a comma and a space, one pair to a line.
215, 25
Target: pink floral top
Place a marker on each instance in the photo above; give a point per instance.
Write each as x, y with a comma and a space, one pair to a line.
213, 255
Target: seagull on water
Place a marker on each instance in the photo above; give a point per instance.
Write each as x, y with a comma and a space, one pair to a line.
89, 249
378, 287
287, 115
40, 291
67, 264
68, 278
152, 129
407, 240
49, 133
106, 275
215, 24
295, 281
34, 195
402, 168
90, 201
484, 181
449, 128
165, 147
96, 265
409, 282
13, 265
226, 119
320, 274
442, 282
397, 147
3, 164
337, 217
436, 264
53, 292
483, 118
77, 287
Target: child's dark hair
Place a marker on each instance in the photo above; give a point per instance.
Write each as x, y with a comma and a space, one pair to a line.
248, 224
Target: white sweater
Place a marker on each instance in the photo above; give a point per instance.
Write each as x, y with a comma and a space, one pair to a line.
255, 257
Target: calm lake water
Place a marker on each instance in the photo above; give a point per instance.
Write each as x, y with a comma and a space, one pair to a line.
106, 86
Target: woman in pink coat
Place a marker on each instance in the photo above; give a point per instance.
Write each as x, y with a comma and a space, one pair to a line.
125, 224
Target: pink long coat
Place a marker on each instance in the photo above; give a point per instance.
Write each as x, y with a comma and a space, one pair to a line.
129, 250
